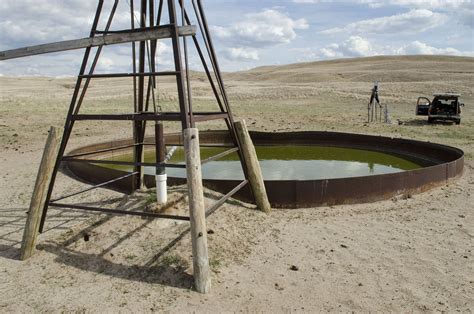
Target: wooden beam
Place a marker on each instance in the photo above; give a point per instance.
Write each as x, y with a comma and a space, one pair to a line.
40, 191
253, 167
109, 39
197, 215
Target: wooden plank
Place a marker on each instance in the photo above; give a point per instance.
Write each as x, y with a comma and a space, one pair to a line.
110, 39
40, 191
253, 167
202, 278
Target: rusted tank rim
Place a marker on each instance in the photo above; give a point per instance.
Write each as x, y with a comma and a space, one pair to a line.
441, 164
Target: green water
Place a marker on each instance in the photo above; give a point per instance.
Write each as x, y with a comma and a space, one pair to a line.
289, 163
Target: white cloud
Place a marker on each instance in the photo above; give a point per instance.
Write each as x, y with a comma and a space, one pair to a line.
460, 11
356, 46
432, 4
266, 28
251, 40
413, 21
419, 48
164, 54
241, 54
105, 63
31, 22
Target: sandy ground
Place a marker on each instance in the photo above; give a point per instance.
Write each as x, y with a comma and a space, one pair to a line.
403, 254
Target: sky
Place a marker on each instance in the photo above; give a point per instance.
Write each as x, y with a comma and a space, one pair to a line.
248, 34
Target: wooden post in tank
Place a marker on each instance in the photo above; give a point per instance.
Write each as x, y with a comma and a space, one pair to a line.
39, 193
253, 167
202, 279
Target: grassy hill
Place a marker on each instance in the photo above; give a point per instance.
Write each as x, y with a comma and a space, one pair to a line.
323, 95
382, 68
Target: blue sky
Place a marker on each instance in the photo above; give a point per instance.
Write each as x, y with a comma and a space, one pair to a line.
251, 33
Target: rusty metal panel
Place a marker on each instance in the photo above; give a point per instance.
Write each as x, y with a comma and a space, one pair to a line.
441, 164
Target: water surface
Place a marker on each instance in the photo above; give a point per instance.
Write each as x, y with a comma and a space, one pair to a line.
289, 163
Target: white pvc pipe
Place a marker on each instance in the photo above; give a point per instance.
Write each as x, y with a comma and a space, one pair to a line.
161, 189
161, 181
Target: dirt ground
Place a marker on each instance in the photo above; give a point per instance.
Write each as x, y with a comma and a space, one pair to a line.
404, 254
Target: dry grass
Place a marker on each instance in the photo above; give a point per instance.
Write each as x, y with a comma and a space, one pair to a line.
400, 255
330, 95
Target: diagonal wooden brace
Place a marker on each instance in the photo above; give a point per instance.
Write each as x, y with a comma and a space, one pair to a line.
39, 193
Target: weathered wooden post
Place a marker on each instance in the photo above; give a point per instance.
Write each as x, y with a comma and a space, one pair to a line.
202, 280
39, 193
253, 167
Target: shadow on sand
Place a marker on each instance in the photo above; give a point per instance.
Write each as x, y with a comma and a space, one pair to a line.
151, 271
159, 274
102, 263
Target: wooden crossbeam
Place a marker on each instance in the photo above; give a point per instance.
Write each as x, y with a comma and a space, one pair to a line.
159, 32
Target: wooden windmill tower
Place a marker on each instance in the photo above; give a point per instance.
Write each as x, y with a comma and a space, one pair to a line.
143, 35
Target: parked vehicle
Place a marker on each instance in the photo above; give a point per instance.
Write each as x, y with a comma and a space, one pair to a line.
443, 107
